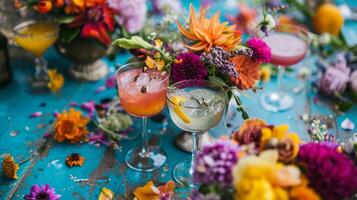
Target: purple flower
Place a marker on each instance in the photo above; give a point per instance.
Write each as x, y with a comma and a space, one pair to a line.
187, 67
97, 138
214, 163
130, 14
111, 82
330, 173
196, 195
89, 107
166, 6
42, 192
333, 80
261, 51
353, 81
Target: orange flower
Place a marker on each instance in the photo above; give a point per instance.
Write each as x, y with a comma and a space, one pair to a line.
75, 6
58, 3
43, 6
248, 70
10, 167
303, 193
250, 132
71, 126
149, 191
74, 160
209, 32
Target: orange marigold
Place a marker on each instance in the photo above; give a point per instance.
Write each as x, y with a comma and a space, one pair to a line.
71, 126
74, 160
10, 167
209, 32
248, 70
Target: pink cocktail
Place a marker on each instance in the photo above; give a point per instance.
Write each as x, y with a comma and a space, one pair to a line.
142, 93
288, 44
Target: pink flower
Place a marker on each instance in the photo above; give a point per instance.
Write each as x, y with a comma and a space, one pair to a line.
111, 82
89, 107
334, 80
261, 51
131, 14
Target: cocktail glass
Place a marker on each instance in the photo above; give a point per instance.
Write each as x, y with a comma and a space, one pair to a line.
36, 36
142, 93
195, 106
288, 44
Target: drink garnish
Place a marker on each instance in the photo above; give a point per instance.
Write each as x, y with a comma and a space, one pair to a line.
178, 100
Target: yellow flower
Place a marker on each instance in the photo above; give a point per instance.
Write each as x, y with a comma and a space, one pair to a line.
158, 63
279, 138
56, 80
10, 167
71, 126
265, 73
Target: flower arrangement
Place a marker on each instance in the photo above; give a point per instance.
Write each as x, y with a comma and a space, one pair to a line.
95, 19
215, 52
281, 167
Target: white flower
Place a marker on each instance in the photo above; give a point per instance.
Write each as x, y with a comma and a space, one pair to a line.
270, 22
324, 38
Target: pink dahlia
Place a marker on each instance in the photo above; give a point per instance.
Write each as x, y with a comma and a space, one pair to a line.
261, 51
330, 173
188, 66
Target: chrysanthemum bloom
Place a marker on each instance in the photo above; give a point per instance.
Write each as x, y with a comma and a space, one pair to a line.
74, 160
261, 51
56, 80
248, 72
279, 138
71, 126
209, 32
250, 132
214, 163
188, 66
10, 167
330, 173
42, 192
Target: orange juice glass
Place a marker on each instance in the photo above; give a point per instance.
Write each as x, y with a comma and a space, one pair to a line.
142, 93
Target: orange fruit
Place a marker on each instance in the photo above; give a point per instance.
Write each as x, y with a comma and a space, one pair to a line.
328, 19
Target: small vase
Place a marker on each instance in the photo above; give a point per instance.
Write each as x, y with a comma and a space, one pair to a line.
86, 55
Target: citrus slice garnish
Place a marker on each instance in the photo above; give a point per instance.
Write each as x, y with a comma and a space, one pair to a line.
177, 100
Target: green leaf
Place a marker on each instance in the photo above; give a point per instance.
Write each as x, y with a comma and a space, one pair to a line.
68, 34
134, 42
64, 19
217, 80
344, 106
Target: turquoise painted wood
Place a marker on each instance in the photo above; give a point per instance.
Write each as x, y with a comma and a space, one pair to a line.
105, 167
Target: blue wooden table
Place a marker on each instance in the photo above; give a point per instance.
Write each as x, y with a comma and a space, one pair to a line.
104, 166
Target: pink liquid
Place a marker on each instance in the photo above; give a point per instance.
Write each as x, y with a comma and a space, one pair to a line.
286, 49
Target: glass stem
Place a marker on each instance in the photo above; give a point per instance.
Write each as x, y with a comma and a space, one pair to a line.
195, 145
281, 71
41, 68
144, 136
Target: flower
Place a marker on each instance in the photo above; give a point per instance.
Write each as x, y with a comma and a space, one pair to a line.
353, 81
209, 32
56, 80
214, 163
106, 194
43, 6
89, 106
131, 14
248, 70
9, 167
188, 66
149, 191
71, 126
111, 82
74, 160
261, 51
303, 193
166, 6
278, 138
42, 192
196, 195
330, 173
265, 74
246, 18
250, 132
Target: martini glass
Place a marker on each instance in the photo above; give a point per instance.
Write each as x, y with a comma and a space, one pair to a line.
195, 106
142, 93
288, 44
36, 36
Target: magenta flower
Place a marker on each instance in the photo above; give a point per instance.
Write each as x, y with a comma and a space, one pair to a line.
89, 107
330, 173
111, 82
261, 51
187, 67
42, 192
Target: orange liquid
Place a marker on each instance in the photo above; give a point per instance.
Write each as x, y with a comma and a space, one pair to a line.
37, 37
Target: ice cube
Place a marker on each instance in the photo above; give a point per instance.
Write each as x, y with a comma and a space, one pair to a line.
154, 86
143, 79
126, 78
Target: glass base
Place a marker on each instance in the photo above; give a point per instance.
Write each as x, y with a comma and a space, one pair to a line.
147, 161
276, 101
183, 175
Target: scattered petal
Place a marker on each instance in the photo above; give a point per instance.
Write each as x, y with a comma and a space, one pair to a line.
106, 194
347, 124
100, 89
111, 82
73, 104
36, 114
47, 135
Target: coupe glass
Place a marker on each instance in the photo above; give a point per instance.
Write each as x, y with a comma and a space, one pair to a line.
142, 93
288, 44
36, 36
195, 106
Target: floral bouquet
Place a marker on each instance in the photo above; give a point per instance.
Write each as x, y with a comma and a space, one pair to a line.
268, 162
95, 19
213, 50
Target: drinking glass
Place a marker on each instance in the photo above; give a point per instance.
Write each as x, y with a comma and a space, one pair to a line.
142, 93
195, 106
36, 36
288, 44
